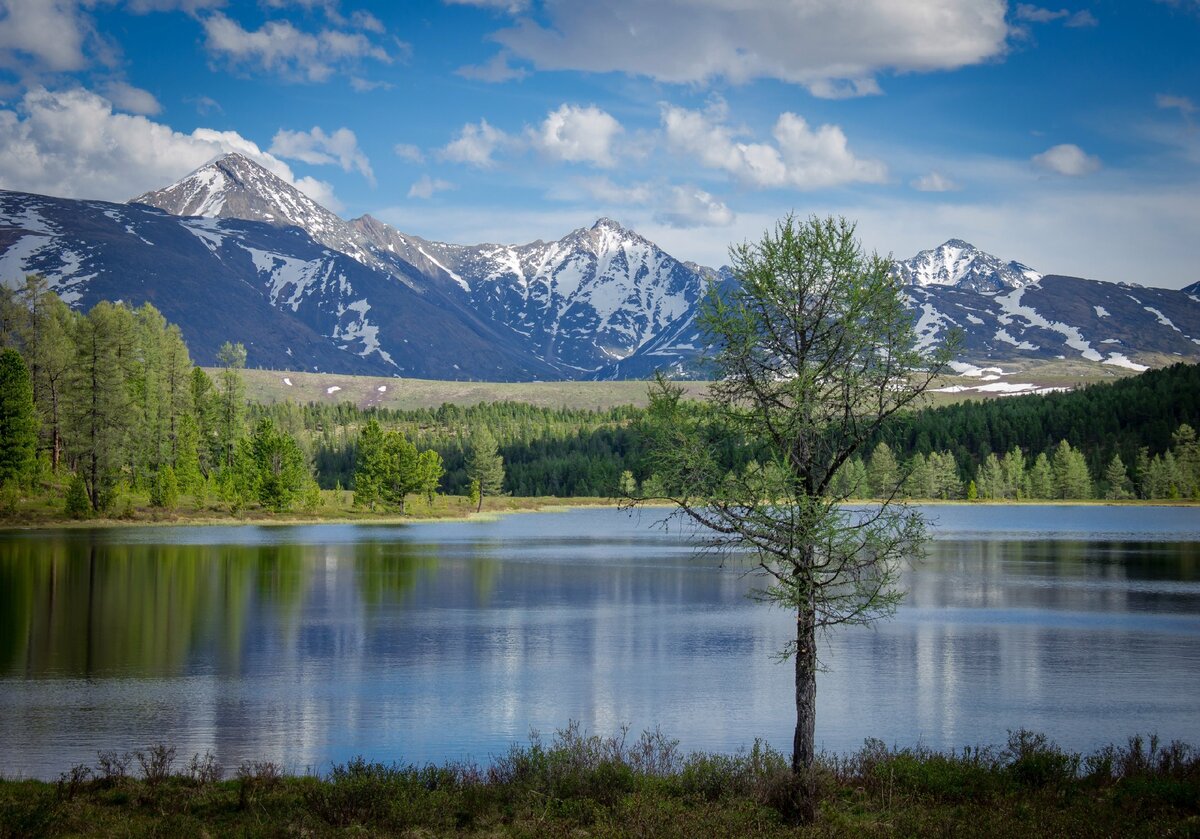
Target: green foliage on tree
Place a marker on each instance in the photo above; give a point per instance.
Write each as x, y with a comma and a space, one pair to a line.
389, 468
164, 488
18, 421
77, 504
1116, 480
278, 472
100, 403
485, 465
231, 402
1071, 478
883, 472
813, 352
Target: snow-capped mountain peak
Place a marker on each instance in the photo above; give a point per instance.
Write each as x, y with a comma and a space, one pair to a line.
961, 264
234, 186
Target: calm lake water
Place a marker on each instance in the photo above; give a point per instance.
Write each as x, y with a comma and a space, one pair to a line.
449, 641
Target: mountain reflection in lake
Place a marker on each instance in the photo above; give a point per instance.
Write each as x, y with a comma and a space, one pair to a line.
451, 640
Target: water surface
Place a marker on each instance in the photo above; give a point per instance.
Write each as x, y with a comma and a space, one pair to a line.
448, 641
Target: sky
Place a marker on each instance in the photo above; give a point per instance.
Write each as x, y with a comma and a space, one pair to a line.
1066, 137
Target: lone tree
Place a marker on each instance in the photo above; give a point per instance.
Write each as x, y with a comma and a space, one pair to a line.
485, 465
811, 353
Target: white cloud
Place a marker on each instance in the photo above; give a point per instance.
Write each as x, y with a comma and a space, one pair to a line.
1036, 14
812, 43
132, 99
577, 135
361, 85
513, 7
934, 182
279, 47
318, 148
1067, 159
603, 190
801, 157
425, 187
42, 35
476, 144
689, 206
495, 70
1182, 104
409, 152
71, 144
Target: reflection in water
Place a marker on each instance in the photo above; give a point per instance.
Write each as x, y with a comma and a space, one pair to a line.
444, 641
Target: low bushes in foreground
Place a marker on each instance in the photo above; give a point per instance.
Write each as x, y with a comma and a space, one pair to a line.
578, 785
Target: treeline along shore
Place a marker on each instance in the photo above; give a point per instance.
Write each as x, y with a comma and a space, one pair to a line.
103, 414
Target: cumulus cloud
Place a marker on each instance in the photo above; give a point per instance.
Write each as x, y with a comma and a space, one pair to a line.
604, 190
690, 206
475, 145
812, 43
495, 70
72, 144
934, 182
801, 157
577, 135
281, 48
1067, 159
425, 187
42, 35
318, 148
126, 97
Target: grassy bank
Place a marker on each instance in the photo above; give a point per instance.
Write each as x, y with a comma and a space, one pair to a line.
582, 786
38, 512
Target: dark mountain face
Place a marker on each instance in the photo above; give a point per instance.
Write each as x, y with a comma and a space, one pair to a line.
232, 252
294, 303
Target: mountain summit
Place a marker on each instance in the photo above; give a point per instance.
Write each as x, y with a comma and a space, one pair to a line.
962, 265
234, 186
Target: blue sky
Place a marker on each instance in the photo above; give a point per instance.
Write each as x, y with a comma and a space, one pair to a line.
1063, 136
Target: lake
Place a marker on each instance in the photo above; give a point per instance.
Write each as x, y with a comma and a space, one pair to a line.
448, 641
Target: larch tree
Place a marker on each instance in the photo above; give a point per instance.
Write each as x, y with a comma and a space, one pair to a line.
485, 464
811, 352
18, 420
231, 407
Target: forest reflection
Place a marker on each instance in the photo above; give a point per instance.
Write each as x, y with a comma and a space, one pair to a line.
77, 605
80, 607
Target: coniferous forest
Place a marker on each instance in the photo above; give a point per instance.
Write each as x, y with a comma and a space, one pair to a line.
98, 407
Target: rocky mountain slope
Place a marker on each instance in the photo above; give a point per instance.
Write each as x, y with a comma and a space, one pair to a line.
231, 252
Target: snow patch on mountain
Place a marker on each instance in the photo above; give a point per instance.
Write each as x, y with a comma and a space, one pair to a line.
1012, 308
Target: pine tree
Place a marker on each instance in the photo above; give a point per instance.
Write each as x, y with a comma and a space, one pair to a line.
485, 465
1041, 478
1071, 478
18, 421
1116, 479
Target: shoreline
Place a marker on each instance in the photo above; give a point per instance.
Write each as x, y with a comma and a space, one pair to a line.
456, 508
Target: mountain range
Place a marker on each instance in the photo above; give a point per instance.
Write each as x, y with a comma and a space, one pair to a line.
233, 253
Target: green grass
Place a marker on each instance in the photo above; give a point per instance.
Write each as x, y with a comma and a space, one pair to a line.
269, 386
586, 786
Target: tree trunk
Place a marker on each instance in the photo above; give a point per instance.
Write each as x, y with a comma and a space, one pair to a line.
806, 712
